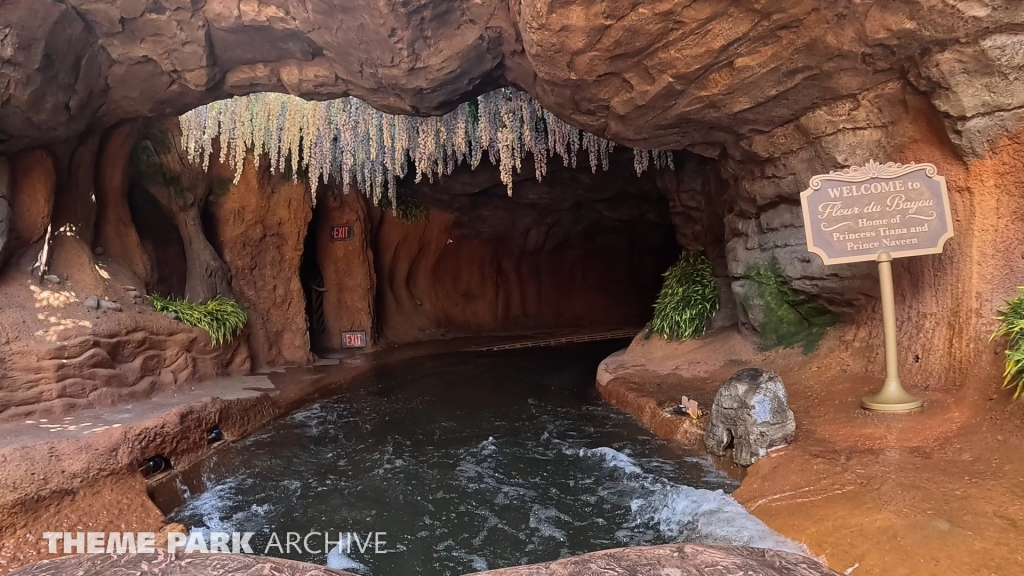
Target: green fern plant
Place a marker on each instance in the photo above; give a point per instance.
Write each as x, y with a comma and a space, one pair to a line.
688, 299
1011, 325
222, 318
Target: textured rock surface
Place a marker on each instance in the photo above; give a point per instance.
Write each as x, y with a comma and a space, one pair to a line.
751, 414
115, 232
33, 187
258, 226
699, 74
57, 354
677, 560
573, 251
163, 564
346, 272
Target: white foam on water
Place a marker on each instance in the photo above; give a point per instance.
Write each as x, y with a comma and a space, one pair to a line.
541, 520
478, 562
613, 458
311, 416
683, 513
212, 506
215, 507
337, 560
489, 446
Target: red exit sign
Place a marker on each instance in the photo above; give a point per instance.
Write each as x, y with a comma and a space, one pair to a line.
341, 232
353, 339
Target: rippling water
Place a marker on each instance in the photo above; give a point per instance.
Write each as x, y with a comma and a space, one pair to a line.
470, 462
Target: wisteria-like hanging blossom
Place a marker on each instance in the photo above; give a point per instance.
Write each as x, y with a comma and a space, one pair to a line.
349, 142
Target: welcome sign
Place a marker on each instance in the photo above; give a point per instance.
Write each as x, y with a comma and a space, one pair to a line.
854, 214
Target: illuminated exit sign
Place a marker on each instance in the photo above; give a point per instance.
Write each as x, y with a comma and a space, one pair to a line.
353, 339
341, 233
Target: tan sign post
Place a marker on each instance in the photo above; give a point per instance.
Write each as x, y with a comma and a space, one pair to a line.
879, 212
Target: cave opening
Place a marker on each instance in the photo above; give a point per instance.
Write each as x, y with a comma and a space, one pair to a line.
313, 288
556, 232
573, 251
160, 241
577, 247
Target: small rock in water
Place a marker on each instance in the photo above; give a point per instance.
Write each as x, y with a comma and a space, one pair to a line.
52, 279
98, 250
108, 305
92, 302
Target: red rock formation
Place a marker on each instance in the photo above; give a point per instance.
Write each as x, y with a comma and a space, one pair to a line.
576, 250
695, 75
56, 354
115, 231
348, 280
32, 182
258, 226
678, 560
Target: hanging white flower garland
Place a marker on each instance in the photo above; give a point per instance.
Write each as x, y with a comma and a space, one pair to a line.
348, 141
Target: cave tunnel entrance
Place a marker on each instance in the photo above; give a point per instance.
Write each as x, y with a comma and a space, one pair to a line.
313, 288
575, 248
160, 241
574, 251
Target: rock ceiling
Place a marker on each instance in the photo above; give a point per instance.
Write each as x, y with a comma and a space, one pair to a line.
701, 74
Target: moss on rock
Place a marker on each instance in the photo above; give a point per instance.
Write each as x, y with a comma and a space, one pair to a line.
782, 317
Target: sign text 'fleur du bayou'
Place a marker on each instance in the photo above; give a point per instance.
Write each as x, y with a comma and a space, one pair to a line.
853, 214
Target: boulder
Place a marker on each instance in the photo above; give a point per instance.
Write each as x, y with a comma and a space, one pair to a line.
677, 560
174, 565
751, 413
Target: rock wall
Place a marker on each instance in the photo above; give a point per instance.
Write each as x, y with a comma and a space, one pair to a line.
34, 183
697, 192
258, 227
58, 354
576, 250
346, 282
116, 235
698, 75
946, 304
434, 283
771, 93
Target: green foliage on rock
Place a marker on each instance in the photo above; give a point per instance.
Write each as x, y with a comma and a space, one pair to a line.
1011, 325
786, 318
409, 210
221, 317
219, 188
688, 299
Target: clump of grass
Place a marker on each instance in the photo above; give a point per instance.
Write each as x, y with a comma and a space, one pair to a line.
688, 299
1011, 325
221, 317
409, 210
790, 319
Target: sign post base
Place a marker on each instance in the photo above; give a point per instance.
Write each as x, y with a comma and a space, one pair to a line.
892, 397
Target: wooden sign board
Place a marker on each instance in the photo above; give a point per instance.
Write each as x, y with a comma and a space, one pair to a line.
353, 339
853, 214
